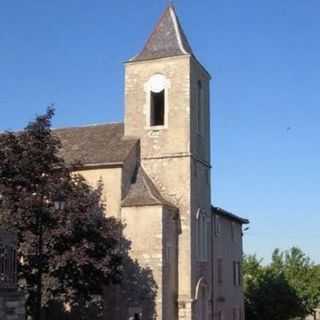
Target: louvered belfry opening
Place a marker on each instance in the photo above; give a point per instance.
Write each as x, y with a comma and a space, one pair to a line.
8, 260
157, 108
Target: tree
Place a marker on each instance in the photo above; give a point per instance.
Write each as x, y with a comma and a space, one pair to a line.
65, 254
302, 275
251, 267
287, 288
267, 293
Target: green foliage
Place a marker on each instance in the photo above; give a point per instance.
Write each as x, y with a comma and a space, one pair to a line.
251, 266
269, 296
302, 275
287, 288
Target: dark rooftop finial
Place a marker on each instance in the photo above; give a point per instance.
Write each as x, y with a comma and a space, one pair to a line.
167, 39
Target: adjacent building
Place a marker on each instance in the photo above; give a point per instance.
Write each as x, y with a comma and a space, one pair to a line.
156, 170
227, 257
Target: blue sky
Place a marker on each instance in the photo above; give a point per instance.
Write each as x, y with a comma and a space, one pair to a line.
264, 58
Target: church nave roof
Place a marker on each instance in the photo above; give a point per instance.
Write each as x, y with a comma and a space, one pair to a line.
95, 144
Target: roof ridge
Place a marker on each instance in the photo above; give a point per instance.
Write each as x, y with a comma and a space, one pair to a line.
229, 215
89, 125
178, 28
144, 176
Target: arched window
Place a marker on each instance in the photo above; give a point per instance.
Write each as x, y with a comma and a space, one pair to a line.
156, 91
202, 235
157, 108
202, 299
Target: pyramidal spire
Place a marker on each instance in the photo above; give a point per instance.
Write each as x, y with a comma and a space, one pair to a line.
167, 39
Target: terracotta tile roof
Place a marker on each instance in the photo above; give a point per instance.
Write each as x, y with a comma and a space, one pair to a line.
167, 40
143, 192
95, 145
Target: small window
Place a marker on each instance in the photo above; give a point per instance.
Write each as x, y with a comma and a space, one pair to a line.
157, 108
217, 225
236, 273
202, 235
220, 271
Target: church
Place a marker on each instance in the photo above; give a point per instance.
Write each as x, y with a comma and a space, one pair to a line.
155, 168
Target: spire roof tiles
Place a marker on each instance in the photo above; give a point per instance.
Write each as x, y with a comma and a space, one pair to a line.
167, 39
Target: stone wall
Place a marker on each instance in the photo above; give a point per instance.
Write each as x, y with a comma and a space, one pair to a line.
144, 227
111, 179
171, 154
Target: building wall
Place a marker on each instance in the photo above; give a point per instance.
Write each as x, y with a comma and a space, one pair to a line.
112, 182
144, 229
116, 181
175, 137
165, 152
228, 247
170, 266
200, 200
153, 231
200, 182
157, 250
169, 155
200, 135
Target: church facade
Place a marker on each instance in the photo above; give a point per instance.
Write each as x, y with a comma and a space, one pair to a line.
155, 168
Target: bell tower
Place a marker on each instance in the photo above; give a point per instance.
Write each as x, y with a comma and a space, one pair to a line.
167, 108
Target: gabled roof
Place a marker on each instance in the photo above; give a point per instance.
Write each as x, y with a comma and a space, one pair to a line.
167, 39
228, 215
95, 145
143, 192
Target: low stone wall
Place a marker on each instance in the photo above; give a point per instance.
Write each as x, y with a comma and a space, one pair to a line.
12, 305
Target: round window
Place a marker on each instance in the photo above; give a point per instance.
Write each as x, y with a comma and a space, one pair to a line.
157, 83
